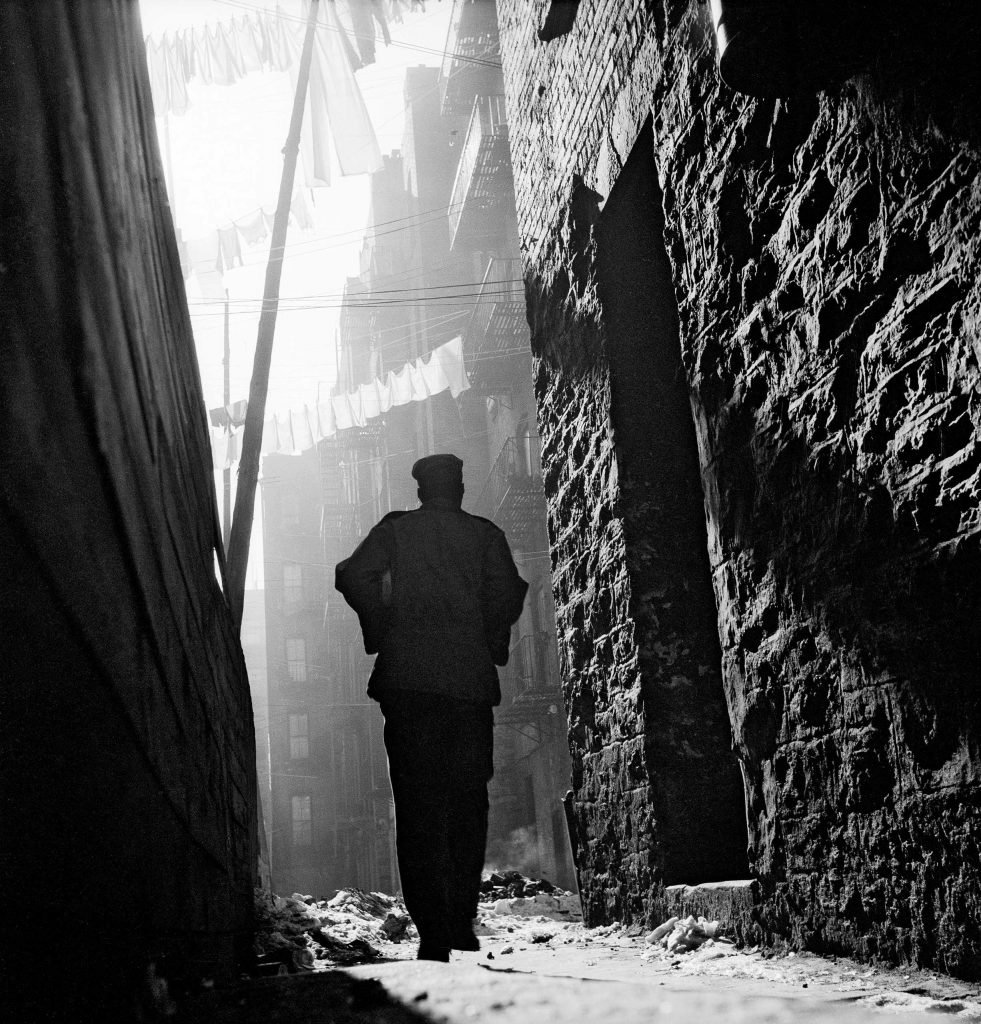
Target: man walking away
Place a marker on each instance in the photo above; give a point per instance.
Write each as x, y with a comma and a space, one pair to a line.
436, 591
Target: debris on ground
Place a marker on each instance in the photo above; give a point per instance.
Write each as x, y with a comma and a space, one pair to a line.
510, 894
682, 935
509, 884
299, 933
302, 934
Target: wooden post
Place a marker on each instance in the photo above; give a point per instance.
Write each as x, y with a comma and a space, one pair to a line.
226, 518
248, 468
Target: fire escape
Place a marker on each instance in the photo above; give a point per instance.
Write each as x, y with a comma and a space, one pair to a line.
483, 181
494, 337
514, 499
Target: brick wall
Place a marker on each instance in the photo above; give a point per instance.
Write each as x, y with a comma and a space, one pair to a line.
824, 254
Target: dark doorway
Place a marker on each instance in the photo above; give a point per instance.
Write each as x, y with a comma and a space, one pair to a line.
699, 825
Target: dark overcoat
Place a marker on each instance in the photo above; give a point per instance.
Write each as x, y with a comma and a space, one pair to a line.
437, 591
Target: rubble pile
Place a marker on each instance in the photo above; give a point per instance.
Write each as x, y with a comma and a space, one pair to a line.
510, 893
682, 935
298, 933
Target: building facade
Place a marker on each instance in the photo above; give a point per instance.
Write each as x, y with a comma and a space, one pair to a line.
754, 322
331, 815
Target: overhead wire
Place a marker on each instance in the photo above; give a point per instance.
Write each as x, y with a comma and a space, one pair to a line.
242, 5
355, 298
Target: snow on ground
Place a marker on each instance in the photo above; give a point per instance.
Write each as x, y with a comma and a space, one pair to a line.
530, 930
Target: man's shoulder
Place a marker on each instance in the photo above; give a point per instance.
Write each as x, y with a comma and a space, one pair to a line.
486, 525
484, 522
390, 517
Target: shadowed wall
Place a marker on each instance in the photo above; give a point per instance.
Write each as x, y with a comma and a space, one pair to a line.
824, 256
129, 805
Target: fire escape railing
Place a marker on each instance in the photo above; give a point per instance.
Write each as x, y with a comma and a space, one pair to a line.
502, 286
488, 127
471, 57
512, 495
532, 667
517, 468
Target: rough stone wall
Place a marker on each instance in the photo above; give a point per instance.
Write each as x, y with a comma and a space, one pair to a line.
825, 254
657, 790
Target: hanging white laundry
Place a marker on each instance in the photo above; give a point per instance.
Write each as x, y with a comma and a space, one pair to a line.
450, 357
219, 448
371, 399
388, 392
351, 128
326, 425
402, 385
420, 390
299, 430
343, 413
302, 431
336, 108
285, 428
433, 373
234, 451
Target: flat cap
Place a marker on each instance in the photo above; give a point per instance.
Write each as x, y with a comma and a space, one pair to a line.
438, 471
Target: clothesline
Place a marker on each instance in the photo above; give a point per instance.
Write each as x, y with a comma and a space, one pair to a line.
300, 429
225, 52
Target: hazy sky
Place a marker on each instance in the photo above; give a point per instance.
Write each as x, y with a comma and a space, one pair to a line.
223, 160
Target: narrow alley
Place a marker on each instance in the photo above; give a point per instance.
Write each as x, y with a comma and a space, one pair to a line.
490, 511
545, 969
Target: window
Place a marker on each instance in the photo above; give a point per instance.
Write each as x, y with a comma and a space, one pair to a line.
302, 821
296, 659
299, 737
292, 584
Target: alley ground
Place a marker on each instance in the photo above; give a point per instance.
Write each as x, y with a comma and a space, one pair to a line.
537, 971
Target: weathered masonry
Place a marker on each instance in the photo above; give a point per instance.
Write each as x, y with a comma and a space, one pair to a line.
127, 783
762, 315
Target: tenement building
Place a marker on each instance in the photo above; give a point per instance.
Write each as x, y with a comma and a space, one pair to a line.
754, 311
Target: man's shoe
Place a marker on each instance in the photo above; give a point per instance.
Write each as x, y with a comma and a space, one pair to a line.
464, 939
428, 951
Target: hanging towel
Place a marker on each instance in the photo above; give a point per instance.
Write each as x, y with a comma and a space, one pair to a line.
302, 431
343, 413
433, 375
219, 448
326, 425
229, 251
402, 385
252, 228
285, 430
234, 452
364, 31
299, 430
225, 68
450, 357
248, 44
270, 436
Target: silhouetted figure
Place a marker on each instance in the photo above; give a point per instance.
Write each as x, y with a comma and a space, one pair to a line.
437, 591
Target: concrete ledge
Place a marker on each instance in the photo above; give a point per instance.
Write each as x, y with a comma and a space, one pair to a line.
731, 903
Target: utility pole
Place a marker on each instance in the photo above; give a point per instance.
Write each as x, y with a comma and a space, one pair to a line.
226, 521
248, 469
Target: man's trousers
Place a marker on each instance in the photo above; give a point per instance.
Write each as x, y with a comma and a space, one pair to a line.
440, 759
